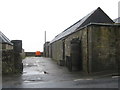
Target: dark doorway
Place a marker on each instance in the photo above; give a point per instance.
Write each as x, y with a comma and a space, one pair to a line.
51, 51
63, 49
76, 54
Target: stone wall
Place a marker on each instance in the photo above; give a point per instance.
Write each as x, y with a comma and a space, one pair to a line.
57, 50
57, 47
46, 49
103, 50
100, 44
22, 54
6, 46
82, 35
11, 58
8, 61
50, 50
29, 54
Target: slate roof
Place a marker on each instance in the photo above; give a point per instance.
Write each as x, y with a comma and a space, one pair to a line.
117, 20
96, 16
4, 39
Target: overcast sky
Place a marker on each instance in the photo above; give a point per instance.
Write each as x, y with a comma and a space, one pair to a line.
27, 20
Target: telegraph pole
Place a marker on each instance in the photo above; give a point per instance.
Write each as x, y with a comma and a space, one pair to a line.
45, 36
45, 46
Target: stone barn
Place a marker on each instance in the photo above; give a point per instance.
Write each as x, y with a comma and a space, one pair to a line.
10, 55
46, 49
91, 45
117, 20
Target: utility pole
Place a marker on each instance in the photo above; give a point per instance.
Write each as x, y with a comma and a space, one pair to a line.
45, 45
45, 36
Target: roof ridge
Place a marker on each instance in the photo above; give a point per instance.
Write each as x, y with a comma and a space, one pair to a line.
97, 16
4, 38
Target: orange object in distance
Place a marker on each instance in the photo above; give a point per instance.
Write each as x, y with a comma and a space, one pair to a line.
37, 53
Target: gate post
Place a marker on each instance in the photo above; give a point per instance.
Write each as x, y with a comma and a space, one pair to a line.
17, 48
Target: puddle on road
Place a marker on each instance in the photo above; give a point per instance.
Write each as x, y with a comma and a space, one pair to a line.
34, 72
83, 79
30, 73
33, 80
115, 76
27, 81
30, 65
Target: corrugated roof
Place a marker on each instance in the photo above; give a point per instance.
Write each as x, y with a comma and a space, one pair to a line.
96, 16
4, 39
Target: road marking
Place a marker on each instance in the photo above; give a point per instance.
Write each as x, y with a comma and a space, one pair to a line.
26, 81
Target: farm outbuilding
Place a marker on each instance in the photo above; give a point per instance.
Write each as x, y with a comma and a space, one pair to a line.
91, 45
46, 49
11, 58
117, 20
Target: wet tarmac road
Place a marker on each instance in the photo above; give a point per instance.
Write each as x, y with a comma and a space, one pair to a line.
40, 72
